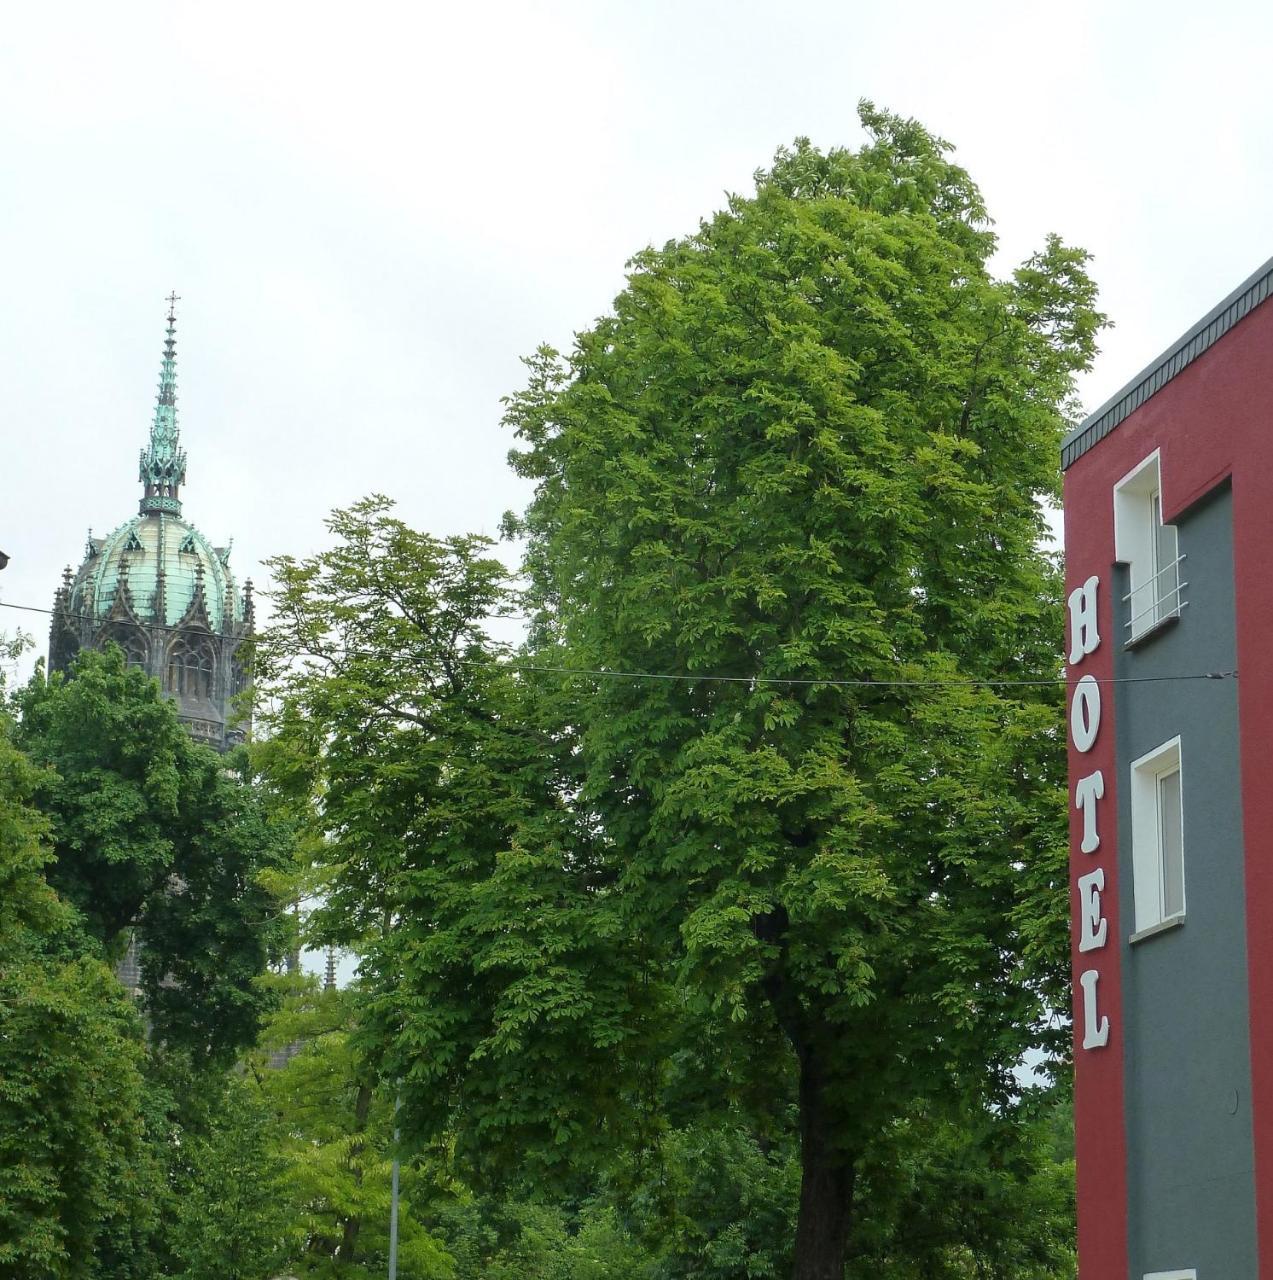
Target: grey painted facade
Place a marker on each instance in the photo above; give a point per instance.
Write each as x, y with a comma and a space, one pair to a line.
1185, 993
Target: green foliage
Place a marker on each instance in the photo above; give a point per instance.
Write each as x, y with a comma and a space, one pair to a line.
674, 1196
951, 1198
75, 1177
715, 1204
28, 907
807, 453
230, 1218
109, 814
497, 993
211, 933
813, 866
673, 977
150, 829
523, 1240
11, 649
113, 751
332, 1143
970, 1194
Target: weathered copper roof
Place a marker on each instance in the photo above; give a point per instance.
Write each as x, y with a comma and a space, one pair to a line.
148, 550
157, 568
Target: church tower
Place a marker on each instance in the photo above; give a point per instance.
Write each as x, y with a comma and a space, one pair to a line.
161, 591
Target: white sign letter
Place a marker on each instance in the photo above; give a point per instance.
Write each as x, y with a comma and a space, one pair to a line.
1093, 929
1087, 791
1083, 634
1085, 713
1095, 1032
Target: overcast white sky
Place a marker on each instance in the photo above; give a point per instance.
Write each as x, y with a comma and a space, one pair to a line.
372, 211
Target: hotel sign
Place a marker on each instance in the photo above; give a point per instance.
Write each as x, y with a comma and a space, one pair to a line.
1085, 728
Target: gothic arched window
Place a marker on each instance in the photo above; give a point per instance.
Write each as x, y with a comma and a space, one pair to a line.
240, 674
131, 640
191, 667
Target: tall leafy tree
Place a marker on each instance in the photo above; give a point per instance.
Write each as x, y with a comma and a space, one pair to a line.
76, 1179
796, 478
497, 989
153, 831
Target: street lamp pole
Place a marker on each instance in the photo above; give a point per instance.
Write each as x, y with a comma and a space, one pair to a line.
393, 1200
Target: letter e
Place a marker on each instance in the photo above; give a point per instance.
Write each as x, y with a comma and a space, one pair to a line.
1093, 929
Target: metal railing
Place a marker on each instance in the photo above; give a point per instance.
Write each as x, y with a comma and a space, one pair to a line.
1158, 605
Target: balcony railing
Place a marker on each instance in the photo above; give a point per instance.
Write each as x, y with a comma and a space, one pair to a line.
1156, 599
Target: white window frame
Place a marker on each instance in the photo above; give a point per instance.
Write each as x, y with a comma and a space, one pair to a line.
1148, 547
1189, 1274
1148, 855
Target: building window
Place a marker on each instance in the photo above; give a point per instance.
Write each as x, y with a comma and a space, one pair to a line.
130, 640
1189, 1274
191, 668
1158, 841
1149, 549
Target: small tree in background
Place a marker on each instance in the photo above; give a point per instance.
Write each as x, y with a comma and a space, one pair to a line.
231, 1220
153, 831
331, 1140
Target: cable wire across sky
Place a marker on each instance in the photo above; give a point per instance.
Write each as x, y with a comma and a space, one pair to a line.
799, 681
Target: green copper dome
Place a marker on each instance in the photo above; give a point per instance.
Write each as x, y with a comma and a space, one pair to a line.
158, 589
150, 552
157, 569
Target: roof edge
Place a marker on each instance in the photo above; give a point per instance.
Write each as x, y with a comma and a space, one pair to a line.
1254, 290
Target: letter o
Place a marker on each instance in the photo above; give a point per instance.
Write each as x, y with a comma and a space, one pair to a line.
1085, 713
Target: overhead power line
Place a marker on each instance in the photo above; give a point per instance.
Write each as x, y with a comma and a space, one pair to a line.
84, 617
967, 682
603, 673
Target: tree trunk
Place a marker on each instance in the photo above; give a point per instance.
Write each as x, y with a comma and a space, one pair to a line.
826, 1182
350, 1227
827, 1169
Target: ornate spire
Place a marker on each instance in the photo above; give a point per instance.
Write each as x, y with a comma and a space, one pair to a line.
163, 465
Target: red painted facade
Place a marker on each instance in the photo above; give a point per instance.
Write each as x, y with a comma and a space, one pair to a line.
1100, 1141
1213, 421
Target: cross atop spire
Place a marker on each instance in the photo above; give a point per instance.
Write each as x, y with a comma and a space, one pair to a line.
163, 465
